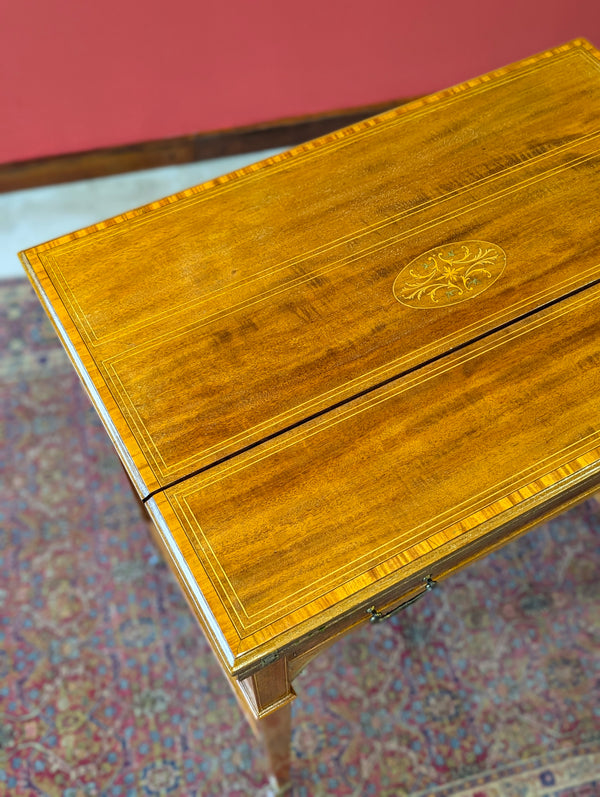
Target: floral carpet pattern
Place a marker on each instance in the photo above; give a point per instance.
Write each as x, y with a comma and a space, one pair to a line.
487, 688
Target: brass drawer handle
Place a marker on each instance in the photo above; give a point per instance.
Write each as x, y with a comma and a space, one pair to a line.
378, 617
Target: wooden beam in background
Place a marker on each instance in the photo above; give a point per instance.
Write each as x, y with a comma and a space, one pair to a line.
183, 149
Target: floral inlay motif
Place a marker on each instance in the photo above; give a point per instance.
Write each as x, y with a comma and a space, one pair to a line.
449, 274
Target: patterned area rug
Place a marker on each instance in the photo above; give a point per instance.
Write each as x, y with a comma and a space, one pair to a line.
487, 688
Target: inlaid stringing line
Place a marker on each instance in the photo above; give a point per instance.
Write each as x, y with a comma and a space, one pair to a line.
67, 294
336, 243
383, 245
491, 494
390, 549
358, 566
441, 518
366, 377
589, 52
396, 389
218, 570
214, 564
139, 424
40, 280
354, 257
465, 523
452, 532
464, 90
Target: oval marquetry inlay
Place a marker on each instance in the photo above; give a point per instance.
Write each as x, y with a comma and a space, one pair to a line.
449, 274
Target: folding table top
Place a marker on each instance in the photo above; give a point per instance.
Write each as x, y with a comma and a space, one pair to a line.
326, 366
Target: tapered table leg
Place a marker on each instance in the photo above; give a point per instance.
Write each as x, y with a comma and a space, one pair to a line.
265, 698
275, 732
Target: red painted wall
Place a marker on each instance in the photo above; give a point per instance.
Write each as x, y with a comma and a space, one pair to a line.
81, 74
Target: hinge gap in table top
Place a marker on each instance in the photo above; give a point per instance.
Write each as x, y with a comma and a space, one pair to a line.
377, 386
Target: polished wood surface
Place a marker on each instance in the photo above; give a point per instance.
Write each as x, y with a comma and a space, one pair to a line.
364, 490
354, 366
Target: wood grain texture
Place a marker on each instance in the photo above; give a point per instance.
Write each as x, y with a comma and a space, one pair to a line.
360, 362
353, 496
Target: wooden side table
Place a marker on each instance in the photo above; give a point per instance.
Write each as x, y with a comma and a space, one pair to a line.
338, 375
